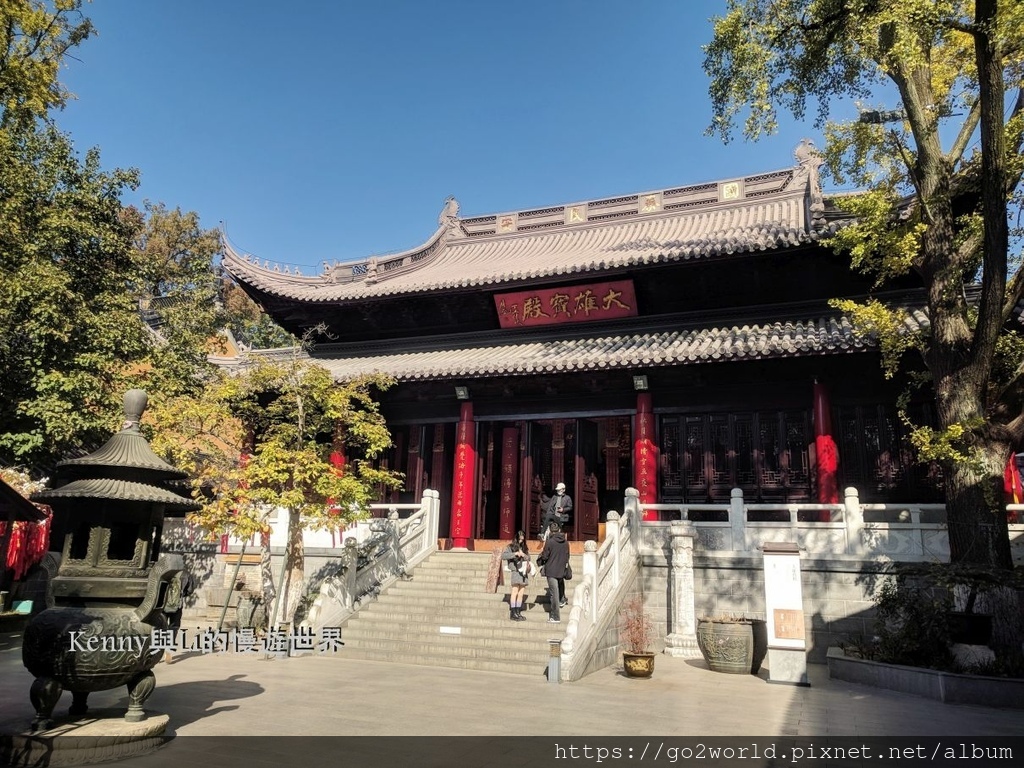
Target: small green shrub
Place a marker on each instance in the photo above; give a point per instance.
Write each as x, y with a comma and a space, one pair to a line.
911, 625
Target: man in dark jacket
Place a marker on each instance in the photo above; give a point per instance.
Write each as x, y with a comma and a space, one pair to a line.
555, 557
556, 509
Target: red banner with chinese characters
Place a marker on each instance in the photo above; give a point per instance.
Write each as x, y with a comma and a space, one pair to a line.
645, 455
464, 479
575, 304
509, 479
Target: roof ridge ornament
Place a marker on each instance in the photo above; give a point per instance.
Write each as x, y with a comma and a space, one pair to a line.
449, 217
810, 160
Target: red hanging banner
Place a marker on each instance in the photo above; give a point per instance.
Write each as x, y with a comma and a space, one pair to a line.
645, 454
465, 477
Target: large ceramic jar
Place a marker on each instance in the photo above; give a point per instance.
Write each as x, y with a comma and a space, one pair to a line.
734, 646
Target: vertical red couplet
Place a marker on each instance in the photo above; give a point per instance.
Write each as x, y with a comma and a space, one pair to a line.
645, 454
465, 478
509, 481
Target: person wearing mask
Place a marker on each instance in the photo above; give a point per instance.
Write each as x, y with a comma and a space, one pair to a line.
556, 509
554, 557
517, 561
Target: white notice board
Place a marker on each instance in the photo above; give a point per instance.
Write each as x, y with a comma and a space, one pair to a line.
783, 596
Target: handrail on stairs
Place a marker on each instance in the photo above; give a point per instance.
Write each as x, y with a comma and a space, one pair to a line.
609, 571
395, 546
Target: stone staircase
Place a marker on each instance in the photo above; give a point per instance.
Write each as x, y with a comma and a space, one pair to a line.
444, 617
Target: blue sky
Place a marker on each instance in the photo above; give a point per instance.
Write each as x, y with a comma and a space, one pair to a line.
334, 129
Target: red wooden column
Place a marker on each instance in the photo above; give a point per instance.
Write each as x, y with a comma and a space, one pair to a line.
825, 450
645, 454
464, 478
509, 482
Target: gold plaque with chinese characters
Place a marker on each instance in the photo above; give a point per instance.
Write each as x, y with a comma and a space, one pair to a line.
789, 624
575, 214
731, 190
650, 203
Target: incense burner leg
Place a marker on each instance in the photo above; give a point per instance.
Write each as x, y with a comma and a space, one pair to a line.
79, 703
139, 689
45, 693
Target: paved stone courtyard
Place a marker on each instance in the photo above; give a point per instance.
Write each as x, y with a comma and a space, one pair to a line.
233, 695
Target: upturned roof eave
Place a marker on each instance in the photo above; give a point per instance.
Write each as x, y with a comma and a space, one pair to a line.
276, 291
807, 334
798, 185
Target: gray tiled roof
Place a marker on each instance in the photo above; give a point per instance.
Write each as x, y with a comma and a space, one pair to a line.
120, 490
777, 210
796, 338
126, 449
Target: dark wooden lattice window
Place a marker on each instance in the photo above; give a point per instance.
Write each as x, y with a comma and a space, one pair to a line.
876, 458
765, 453
673, 460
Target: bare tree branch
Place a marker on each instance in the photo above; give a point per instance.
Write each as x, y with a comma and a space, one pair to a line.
963, 138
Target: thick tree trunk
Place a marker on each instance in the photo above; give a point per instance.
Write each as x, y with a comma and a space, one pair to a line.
295, 568
975, 506
266, 572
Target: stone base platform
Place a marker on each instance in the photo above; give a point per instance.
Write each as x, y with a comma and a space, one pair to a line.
947, 687
101, 736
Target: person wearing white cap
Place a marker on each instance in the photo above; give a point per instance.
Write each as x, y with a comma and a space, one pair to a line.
556, 510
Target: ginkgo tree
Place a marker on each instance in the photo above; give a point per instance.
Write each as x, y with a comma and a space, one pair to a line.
35, 39
260, 440
931, 95
77, 264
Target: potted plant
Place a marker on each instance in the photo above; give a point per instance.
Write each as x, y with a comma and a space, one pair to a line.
732, 644
636, 634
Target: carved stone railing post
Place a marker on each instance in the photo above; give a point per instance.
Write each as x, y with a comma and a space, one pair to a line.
350, 558
853, 518
682, 638
432, 499
611, 535
398, 559
738, 520
631, 508
590, 569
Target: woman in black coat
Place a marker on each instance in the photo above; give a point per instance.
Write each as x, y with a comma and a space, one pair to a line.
517, 560
554, 557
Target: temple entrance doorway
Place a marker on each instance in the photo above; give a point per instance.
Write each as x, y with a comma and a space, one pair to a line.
523, 461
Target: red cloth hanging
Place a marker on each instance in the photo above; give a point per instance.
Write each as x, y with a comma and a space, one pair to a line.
1012, 484
28, 545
